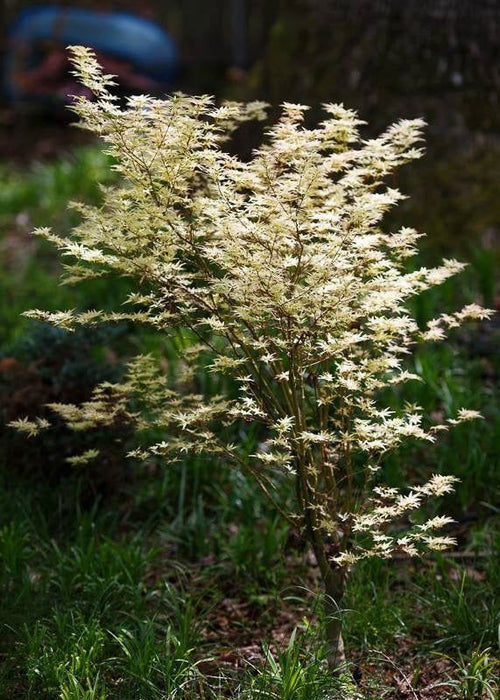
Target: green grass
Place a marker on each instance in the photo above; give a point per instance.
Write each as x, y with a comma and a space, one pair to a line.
44, 191
180, 582
28, 267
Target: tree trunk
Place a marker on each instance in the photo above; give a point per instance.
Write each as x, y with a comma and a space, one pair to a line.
334, 592
334, 584
333, 578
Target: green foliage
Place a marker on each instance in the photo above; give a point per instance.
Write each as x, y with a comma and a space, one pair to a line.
43, 193
476, 678
255, 553
103, 602
29, 199
159, 663
294, 673
462, 610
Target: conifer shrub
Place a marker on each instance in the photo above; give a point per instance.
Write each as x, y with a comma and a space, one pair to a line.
281, 270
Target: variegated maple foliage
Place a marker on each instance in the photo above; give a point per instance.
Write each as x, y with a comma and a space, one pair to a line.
281, 269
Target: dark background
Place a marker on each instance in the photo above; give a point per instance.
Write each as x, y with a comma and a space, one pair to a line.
438, 59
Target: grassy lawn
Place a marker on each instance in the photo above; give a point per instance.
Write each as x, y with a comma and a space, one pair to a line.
136, 581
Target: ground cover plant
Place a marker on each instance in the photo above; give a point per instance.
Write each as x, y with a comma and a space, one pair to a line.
98, 640
92, 598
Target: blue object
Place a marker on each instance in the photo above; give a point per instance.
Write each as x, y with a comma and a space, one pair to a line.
136, 40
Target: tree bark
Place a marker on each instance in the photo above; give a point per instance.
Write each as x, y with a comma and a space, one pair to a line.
334, 585
333, 577
334, 592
